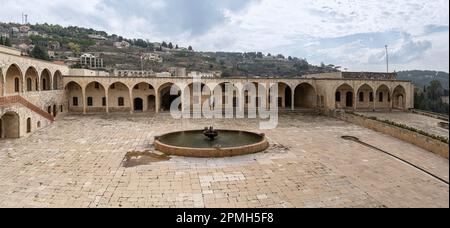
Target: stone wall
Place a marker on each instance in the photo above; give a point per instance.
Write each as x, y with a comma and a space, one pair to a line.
369, 75
37, 121
325, 89
45, 99
433, 145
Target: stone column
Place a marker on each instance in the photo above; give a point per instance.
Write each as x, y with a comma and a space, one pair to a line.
107, 100
391, 101
24, 85
3, 89
84, 100
293, 99
355, 99
131, 101
184, 107
373, 101
157, 102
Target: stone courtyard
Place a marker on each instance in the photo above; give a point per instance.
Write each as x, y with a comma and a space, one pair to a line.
78, 162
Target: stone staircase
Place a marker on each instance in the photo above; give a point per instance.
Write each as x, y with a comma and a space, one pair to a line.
4, 101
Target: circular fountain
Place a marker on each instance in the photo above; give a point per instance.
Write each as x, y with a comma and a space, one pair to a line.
211, 143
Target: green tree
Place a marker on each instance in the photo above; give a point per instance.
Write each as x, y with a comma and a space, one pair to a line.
8, 42
190, 48
430, 98
280, 56
5, 41
170, 45
164, 44
75, 48
39, 53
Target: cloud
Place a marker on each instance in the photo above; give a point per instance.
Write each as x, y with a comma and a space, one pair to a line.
172, 17
351, 33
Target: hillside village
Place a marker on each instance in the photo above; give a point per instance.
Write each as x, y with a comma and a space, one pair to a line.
116, 55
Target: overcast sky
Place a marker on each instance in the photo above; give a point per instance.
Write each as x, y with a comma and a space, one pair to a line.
348, 33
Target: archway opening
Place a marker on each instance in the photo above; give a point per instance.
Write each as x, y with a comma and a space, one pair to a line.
344, 96
45, 80
198, 94
31, 77
10, 125
399, 101
166, 97
305, 96
95, 92
144, 91
75, 97
383, 97
57, 81
119, 98
365, 97
284, 99
13, 80
226, 97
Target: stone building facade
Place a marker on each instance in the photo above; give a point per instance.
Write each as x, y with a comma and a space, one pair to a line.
33, 92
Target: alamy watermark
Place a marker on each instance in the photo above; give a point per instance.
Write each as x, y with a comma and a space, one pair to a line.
226, 100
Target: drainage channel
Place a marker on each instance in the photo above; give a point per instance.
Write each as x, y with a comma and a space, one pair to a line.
355, 139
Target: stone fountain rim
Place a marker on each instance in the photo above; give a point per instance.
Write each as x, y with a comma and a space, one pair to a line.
212, 152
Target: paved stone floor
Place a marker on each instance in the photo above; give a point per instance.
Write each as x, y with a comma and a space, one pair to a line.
424, 123
77, 162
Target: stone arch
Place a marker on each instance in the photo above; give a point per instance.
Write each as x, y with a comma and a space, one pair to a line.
197, 98
344, 96
46, 80
95, 92
399, 97
365, 97
284, 99
57, 80
250, 95
383, 97
227, 99
74, 93
31, 79
305, 96
10, 125
147, 95
119, 97
165, 97
14, 80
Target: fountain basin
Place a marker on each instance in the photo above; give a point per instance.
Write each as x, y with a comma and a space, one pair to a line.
227, 144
